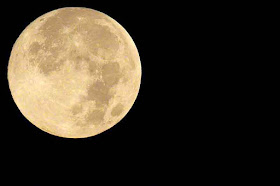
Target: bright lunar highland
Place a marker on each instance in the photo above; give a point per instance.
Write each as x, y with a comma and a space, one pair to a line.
74, 72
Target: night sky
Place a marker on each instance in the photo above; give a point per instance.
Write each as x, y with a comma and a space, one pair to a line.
179, 127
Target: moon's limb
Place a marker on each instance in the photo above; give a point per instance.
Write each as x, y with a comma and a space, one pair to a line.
74, 72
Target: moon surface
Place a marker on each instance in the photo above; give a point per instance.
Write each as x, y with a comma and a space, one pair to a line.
74, 72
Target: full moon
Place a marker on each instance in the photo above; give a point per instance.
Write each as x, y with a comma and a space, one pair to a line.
74, 72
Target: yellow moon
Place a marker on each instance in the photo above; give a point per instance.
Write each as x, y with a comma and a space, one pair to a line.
74, 72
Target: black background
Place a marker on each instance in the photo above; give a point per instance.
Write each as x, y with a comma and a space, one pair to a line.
179, 124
